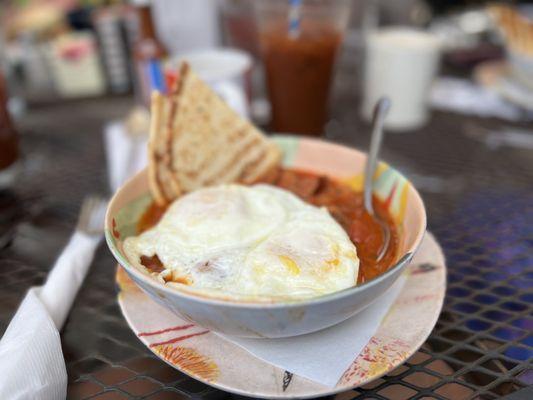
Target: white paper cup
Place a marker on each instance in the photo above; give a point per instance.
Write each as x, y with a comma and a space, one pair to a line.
401, 63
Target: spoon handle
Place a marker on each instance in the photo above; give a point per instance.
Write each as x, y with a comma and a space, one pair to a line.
378, 119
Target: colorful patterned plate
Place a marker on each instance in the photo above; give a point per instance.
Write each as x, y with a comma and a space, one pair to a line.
220, 363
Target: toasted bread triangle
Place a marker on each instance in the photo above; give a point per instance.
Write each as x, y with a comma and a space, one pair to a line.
160, 179
197, 140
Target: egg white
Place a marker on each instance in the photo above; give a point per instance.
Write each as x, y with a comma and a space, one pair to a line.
259, 241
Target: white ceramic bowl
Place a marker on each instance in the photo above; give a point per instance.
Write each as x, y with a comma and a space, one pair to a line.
272, 320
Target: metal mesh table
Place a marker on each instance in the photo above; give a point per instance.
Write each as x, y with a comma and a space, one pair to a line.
480, 206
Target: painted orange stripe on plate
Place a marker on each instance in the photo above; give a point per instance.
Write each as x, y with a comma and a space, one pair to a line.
179, 339
175, 328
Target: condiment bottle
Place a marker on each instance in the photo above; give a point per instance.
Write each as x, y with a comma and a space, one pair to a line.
147, 47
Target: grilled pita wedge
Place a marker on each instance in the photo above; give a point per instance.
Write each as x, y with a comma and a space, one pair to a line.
161, 182
197, 140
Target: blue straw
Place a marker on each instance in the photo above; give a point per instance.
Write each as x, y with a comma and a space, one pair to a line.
155, 74
294, 18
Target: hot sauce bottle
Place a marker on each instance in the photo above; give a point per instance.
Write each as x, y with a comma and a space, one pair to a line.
147, 47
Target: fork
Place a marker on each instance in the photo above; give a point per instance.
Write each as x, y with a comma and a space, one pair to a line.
70, 269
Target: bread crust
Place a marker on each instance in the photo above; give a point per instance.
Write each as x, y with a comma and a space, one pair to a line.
197, 140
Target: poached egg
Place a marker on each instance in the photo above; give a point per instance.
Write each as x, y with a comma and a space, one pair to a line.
251, 241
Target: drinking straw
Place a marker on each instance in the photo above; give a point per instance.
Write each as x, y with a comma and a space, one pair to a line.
156, 77
294, 18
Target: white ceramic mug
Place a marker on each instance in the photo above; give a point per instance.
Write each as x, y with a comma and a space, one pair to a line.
226, 71
401, 63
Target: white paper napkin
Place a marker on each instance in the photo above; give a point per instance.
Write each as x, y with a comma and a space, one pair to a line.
338, 346
125, 154
67, 275
31, 359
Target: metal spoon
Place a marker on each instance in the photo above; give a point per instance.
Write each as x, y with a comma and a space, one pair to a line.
378, 119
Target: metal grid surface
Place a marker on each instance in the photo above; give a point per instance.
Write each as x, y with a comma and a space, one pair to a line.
480, 207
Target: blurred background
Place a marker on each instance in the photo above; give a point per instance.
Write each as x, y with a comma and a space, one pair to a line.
314, 67
63, 50
75, 78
